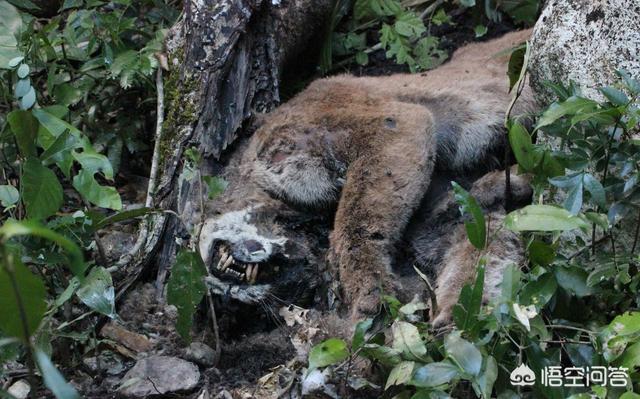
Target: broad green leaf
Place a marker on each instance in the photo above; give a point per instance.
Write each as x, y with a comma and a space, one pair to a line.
406, 339
328, 352
615, 96
400, 374
13, 228
573, 202
10, 26
476, 229
359, 334
92, 191
510, 283
626, 324
463, 353
60, 148
53, 379
488, 377
574, 280
541, 253
92, 161
540, 291
543, 218
362, 58
9, 195
53, 123
516, 64
66, 94
434, 374
594, 187
97, 292
465, 312
630, 358
186, 288
571, 106
16, 281
41, 190
25, 127
216, 185
522, 147
383, 354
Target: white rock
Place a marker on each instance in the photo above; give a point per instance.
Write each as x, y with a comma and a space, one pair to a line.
159, 375
585, 41
20, 389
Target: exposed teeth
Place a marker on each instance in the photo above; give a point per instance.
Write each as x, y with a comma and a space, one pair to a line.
223, 259
254, 274
227, 263
248, 273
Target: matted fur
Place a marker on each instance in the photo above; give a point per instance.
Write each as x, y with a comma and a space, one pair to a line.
367, 147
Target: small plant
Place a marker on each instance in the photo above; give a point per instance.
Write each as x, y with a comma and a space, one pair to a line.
403, 29
582, 253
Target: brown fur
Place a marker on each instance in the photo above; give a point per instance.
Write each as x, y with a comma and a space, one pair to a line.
369, 146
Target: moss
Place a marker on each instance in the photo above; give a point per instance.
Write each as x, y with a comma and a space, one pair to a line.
180, 91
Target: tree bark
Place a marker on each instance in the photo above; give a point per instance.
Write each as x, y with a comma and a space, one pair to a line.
225, 60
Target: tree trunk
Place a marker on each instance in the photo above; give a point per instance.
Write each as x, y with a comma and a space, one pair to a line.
225, 59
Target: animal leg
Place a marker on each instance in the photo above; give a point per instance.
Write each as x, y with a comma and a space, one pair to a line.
380, 194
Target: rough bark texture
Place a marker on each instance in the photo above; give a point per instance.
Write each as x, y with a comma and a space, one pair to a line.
225, 59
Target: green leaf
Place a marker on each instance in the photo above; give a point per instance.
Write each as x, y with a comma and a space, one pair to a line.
541, 253
434, 374
9, 195
362, 58
17, 281
631, 357
360, 333
543, 218
466, 311
400, 374
12, 228
41, 190
122, 216
216, 185
406, 339
594, 187
328, 352
510, 283
10, 27
25, 127
97, 292
476, 230
92, 161
23, 71
383, 354
92, 191
186, 288
615, 96
22, 87
481, 30
626, 324
467, 3
522, 146
521, 11
540, 291
66, 94
29, 99
488, 377
409, 25
573, 105
574, 280
463, 353
53, 379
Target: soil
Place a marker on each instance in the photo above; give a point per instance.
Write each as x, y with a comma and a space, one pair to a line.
254, 346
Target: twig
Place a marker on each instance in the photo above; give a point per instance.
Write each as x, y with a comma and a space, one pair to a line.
635, 236
214, 325
431, 8
153, 175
